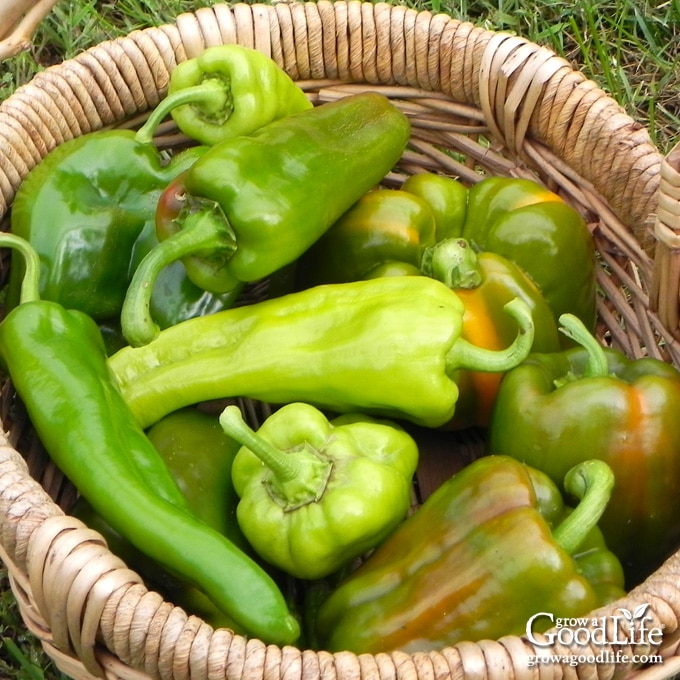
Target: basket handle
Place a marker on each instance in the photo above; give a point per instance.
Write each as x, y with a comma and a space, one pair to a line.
665, 286
19, 20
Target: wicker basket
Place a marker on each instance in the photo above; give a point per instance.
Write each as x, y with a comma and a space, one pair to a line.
505, 106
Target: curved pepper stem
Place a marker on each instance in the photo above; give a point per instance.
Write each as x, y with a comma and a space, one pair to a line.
299, 476
592, 483
464, 355
212, 96
30, 284
453, 262
206, 229
597, 365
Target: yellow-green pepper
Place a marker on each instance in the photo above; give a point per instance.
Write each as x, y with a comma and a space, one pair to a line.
316, 494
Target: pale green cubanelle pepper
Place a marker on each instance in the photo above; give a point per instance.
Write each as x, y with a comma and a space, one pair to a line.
316, 494
389, 346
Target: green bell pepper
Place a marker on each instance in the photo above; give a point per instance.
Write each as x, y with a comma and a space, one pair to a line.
316, 494
57, 363
488, 549
227, 91
528, 225
83, 207
255, 204
390, 345
557, 409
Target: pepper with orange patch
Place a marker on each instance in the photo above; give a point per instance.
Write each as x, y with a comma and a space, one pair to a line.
557, 409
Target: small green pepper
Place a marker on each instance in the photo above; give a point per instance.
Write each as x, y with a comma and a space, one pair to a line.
254, 204
390, 345
57, 363
488, 549
316, 494
557, 409
227, 91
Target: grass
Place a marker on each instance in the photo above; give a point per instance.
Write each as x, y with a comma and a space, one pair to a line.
629, 47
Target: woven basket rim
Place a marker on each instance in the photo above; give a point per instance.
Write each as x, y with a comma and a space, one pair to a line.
533, 103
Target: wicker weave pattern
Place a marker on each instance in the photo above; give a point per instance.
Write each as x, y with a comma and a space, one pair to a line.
456, 82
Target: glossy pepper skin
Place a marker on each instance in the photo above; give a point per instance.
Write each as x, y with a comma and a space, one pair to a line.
83, 207
230, 90
488, 549
528, 225
393, 232
57, 363
199, 457
317, 494
390, 346
255, 204
590, 402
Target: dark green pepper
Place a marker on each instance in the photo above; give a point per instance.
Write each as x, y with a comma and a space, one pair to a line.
227, 91
254, 204
557, 409
390, 345
57, 363
488, 549
317, 494
83, 207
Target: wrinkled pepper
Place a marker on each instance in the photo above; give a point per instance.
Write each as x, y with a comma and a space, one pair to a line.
227, 91
393, 232
57, 363
254, 204
390, 346
316, 494
199, 457
83, 208
525, 223
557, 409
492, 546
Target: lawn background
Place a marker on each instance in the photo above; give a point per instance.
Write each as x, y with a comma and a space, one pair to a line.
630, 48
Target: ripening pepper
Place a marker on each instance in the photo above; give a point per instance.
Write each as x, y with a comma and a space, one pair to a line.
57, 363
393, 232
199, 457
316, 494
391, 346
227, 91
83, 208
557, 409
488, 549
525, 223
255, 204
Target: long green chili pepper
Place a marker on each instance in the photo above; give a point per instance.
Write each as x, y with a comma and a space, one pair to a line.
56, 360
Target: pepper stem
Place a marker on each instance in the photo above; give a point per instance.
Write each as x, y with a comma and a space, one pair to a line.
212, 94
591, 482
464, 355
30, 284
597, 365
299, 476
206, 229
453, 262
